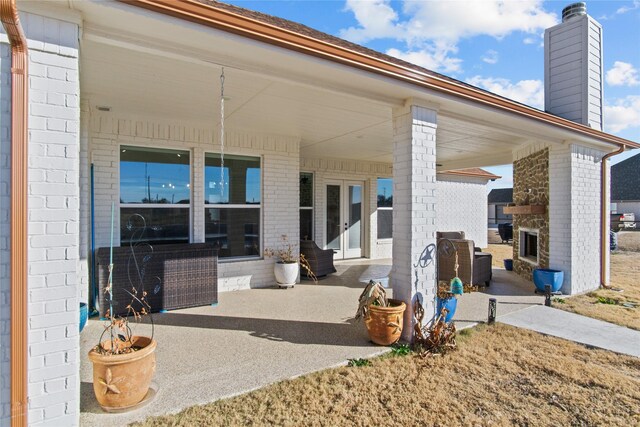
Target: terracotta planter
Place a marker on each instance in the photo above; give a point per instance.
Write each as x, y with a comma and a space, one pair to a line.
385, 323
122, 381
286, 273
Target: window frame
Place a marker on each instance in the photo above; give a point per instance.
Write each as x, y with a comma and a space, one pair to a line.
313, 203
383, 208
155, 205
259, 206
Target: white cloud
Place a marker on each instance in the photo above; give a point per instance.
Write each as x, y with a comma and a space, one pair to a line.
529, 92
490, 57
622, 10
432, 29
529, 40
622, 74
625, 9
377, 20
624, 113
445, 20
434, 58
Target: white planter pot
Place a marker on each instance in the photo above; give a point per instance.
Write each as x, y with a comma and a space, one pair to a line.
286, 273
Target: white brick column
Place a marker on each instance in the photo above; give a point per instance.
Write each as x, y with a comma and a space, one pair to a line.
574, 216
53, 221
414, 216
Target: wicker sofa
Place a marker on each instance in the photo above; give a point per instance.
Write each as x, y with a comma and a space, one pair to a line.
174, 276
474, 267
320, 260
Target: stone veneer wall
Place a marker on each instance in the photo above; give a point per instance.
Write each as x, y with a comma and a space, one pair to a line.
531, 187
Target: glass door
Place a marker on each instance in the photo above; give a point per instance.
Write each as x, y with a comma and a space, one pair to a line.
344, 214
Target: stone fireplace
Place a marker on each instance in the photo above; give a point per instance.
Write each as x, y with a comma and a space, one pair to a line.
531, 230
529, 245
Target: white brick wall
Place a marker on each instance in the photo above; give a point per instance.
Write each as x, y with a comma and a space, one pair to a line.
5, 285
414, 216
366, 172
280, 181
53, 219
574, 216
462, 205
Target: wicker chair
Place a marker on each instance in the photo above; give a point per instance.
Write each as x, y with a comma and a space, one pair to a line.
320, 260
449, 235
474, 269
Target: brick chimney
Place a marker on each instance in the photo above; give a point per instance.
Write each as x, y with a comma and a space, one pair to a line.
573, 70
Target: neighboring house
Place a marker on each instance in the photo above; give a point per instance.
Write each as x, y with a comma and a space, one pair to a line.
625, 186
120, 106
499, 198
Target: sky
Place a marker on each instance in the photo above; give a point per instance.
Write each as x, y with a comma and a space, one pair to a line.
495, 45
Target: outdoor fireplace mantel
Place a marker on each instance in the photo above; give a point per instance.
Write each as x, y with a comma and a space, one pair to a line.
525, 209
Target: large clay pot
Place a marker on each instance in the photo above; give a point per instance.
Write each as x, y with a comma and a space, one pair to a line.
385, 323
286, 273
122, 381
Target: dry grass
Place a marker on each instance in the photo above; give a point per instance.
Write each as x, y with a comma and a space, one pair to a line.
500, 252
629, 241
625, 275
499, 376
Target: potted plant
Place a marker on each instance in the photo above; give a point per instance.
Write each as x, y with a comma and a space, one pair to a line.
124, 363
287, 267
383, 317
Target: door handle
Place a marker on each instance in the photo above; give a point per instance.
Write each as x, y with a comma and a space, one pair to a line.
346, 226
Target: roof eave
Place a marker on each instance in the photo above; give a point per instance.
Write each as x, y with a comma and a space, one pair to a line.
225, 20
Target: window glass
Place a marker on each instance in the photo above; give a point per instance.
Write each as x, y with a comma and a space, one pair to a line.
150, 175
385, 192
240, 182
306, 206
235, 232
306, 224
385, 224
306, 190
154, 225
385, 208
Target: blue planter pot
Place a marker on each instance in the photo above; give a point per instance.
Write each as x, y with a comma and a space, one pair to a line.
450, 304
546, 276
508, 264
84, 314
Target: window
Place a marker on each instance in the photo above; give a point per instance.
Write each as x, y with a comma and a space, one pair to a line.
155, 195
385, 208
232, 205
306, 206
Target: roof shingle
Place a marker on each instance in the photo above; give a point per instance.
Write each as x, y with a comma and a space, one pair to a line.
500, 195
625, 179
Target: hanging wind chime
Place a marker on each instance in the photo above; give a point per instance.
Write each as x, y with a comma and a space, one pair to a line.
222, 136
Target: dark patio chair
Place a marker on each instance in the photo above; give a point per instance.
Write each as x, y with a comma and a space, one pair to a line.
320, 260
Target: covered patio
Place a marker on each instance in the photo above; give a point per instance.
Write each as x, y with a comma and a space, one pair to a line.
261, 336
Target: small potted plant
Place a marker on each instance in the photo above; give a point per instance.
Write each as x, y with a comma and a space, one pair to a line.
124, 363
287, 267
383, 317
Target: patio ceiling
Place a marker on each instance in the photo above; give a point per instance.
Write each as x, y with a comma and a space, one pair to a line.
336, 112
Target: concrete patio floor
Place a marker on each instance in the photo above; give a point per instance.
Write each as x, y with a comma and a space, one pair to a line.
257, 337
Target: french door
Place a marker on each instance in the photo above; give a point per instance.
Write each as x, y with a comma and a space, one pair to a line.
344, 215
